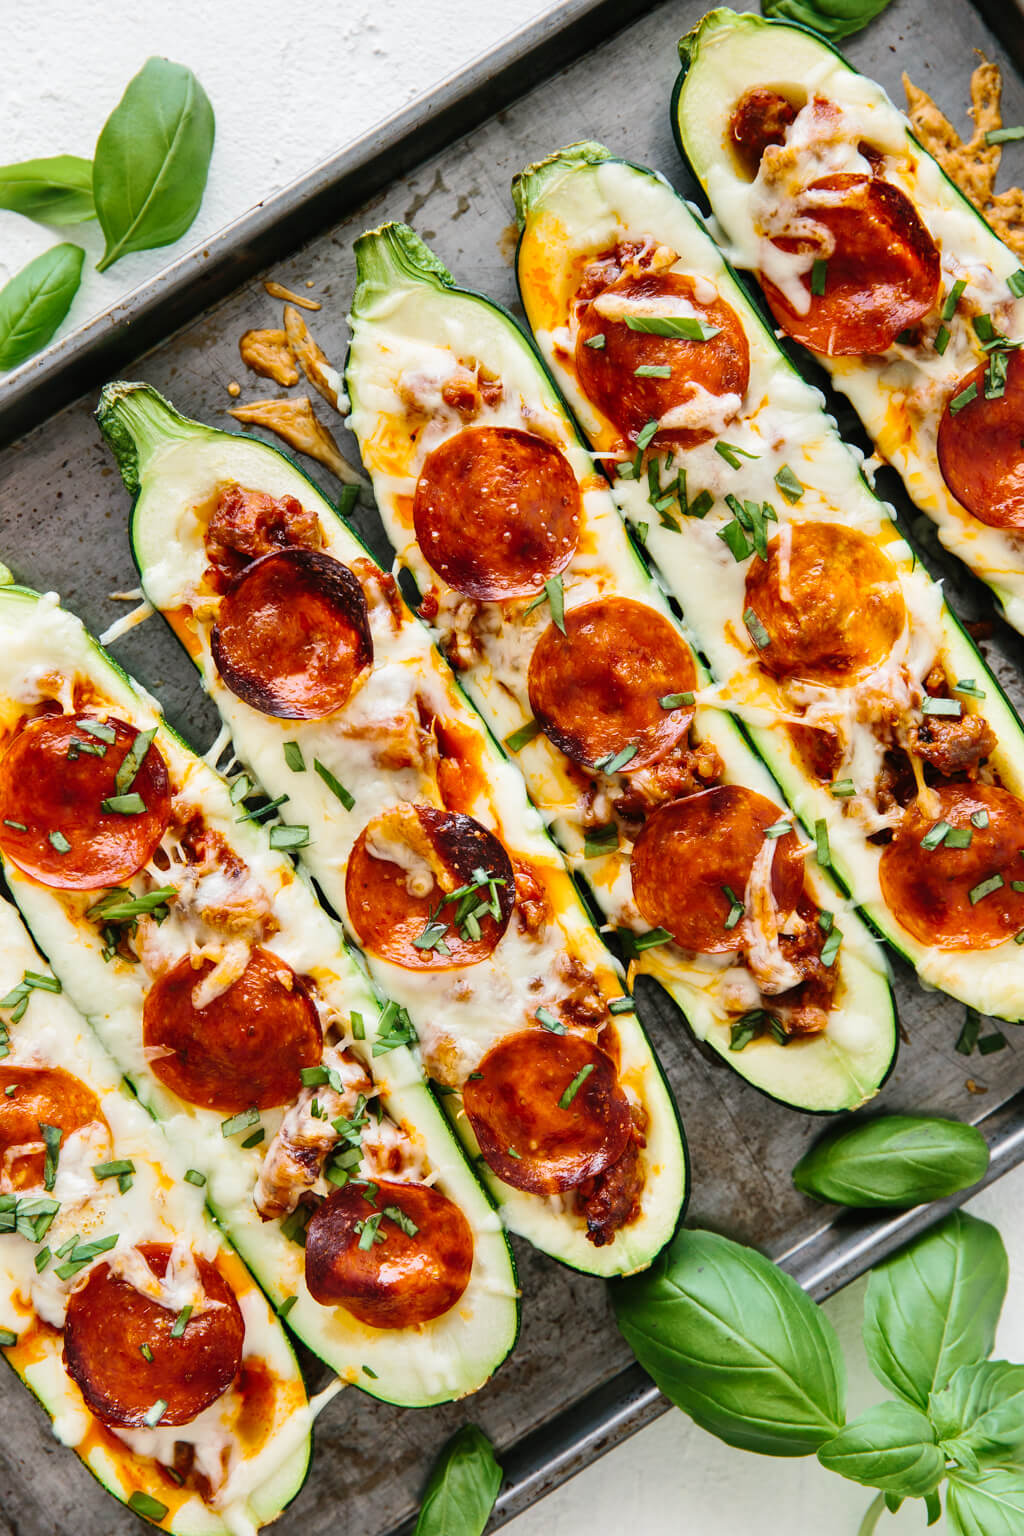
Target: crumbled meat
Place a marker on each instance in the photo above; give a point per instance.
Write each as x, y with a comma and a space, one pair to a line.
819, 749
296, 1155
583, 1005
248, 524
804, 1009
234, 902
531, 901
380, 590
760, 118
633, 256
612, 1200
682, 771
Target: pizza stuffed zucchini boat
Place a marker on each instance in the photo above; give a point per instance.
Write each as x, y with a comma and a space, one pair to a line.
573, 657
139, 1330
862, 693
418, 832
175, 919
870, 257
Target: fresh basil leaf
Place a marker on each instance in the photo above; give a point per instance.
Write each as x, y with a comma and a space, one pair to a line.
989, 1505
35, 301
934, 1306
834, 19
462, 1488
891, 1447
982, 1410
55, 190
897, 1160
152, 160
735, 1343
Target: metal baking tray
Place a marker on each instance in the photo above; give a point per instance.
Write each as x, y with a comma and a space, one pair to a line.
570, 1391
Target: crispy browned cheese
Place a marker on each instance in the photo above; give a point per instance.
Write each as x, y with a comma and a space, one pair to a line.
972, 163
269, 354
279, 291
313, 362
297, 423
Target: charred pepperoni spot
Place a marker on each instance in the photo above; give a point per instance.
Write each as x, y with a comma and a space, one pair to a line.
412, 1268
596, 689
980, 451
245, 1048
247, 524
760, 118
34, 1096
107, 1324
497, 512
688, 854
293, 635
514, 1104
830, 602
718, 367
881, 276
930, 890
404, 867
54, 778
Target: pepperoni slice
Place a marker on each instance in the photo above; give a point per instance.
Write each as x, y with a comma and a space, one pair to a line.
760, 117
244, 1049
830, 602
881, 276
930, 889
980, 451
515, 1099
596, 689
395, 1256
34, 1096
293, 635
54, 778
718, 367
497, 512
109, 1321
688, 854
397, 905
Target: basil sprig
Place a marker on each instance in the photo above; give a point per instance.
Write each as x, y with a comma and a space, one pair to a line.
897, 1160
152, 160
892, 1447
463, 1487
834, 19
735, 1343
35, 301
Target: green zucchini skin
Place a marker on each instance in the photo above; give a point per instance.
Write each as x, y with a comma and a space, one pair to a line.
419, 1379
134, 417
390, 257
995, 559
530, 190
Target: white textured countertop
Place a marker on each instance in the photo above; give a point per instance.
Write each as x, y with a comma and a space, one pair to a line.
289, 87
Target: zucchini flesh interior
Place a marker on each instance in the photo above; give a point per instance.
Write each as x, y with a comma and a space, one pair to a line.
177, 465
584, 201
410, 322
900, 394
434, 1362
159, 1205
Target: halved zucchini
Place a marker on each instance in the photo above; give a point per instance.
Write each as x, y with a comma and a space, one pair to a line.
406, 742
253, 895
415, 338
777, 455
84, 1199
901, 390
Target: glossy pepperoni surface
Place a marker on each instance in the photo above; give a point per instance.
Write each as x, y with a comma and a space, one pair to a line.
497, 512
689, 852
930, 890
547, 1110
29, 1097
981, 447
881, 276
392, 904
109, 1321
596, 689
718, 368
830, 602
244, 1049
395, 1256
54, 779
293, 635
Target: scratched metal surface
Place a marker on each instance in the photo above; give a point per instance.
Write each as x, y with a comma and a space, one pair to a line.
569, 1391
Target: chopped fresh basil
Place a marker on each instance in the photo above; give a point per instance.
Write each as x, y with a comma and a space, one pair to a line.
732, 454
597, 342
1003, 135
830, 948
286, 1306
736, 907
262, 811
842, 789
963, 398
778, 828
113, 1170
930, 705
289, 837
953, 298
701, 505
394, 1029
646, 435
985, 888
819, 276
979, 818
368, 1231
51, 1135
735, 539
935, 835
822, 851
941, 340
622, 1005
616, 761
968, 1037
59, 842
679, 327
1015, 283
255, 1139
968, 686
652, 371
240, 787
549, 1021
789, 485
98, 728
959, 837
993, 1042
120, 906
357, 1026
240, 1122
675, 700
293, 757
526, 733
181, 1322
756, 630
142, 1504
193, 1176
132, 761
635, 943
575, 1086
401, 1219
124, 805
600, 841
